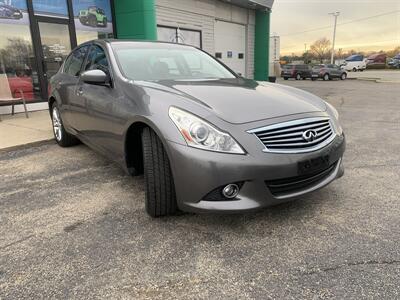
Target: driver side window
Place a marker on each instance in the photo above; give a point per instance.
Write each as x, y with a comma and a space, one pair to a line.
97, 60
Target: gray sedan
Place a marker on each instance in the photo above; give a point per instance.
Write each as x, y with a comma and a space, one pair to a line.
205, 138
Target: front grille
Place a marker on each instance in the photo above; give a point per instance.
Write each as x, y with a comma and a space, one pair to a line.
281, 187
296, 136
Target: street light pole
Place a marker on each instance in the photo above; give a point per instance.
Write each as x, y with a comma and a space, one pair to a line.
335, 14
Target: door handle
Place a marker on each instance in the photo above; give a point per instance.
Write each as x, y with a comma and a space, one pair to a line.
79, 92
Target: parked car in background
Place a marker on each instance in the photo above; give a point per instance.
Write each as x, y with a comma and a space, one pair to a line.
394, 62
354, 63
328, 72
93, 16
9, 12
376, 61
296, 71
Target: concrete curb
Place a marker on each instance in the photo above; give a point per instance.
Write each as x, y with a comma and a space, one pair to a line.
28, 145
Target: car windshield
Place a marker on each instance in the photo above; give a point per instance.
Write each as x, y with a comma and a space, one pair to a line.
157, 61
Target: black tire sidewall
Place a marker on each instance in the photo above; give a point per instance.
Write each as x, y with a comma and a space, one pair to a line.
160, 199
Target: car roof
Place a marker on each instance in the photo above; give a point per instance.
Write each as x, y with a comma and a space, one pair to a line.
139, 43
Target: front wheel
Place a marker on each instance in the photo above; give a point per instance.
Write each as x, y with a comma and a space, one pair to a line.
298, 77
343, 77
354, 69
63, 138
326, 77
160, 188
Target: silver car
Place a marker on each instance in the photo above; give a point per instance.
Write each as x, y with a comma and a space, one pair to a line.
206, 139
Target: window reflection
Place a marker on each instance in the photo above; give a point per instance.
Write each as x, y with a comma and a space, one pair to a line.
17, 62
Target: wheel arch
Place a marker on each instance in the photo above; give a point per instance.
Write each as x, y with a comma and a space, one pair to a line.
133, 152
51, 101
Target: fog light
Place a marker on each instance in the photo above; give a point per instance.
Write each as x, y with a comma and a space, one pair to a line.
230, 191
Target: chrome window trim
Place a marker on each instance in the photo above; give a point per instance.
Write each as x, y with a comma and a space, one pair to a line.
290, 123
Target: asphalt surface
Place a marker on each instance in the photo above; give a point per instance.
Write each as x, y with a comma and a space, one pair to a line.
72, 225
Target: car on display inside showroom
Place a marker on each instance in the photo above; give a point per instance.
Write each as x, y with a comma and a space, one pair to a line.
9, 12
206, 139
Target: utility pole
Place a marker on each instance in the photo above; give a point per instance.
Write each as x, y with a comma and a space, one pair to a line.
335, 14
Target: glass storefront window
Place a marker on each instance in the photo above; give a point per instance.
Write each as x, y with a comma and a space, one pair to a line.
93, 20
56, 46
17, 60
52, 8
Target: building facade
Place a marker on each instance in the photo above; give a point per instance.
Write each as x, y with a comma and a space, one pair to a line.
37, 35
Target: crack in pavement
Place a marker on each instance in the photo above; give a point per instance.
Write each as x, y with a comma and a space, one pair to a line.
350, 264
17, 242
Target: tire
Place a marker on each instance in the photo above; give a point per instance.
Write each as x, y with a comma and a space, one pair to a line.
286, 78
343, 76
160, 188
298, 77
326, 77
62, 137
313, 79
354, 69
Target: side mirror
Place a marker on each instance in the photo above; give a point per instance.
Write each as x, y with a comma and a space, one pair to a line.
95, 77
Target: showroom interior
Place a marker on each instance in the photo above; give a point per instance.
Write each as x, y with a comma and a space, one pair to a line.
37, 35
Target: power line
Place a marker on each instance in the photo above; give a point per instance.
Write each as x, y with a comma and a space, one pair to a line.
341, 24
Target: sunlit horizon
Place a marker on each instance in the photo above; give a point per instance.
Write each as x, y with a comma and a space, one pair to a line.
363, 25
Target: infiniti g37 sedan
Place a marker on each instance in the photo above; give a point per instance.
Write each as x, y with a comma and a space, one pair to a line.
205, 138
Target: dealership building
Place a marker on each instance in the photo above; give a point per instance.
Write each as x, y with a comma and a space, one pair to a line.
37, 35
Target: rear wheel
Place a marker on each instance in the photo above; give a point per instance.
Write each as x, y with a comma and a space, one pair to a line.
326, 77
160, 188
354, 69
298, 77
63, 138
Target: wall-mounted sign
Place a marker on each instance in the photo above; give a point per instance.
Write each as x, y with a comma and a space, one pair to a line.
93, 15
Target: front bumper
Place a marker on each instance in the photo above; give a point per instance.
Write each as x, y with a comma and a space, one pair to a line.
198, 172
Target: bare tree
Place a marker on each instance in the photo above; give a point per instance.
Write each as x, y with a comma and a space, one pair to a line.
321, 49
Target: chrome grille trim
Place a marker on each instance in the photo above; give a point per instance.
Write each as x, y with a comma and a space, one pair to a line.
287, 137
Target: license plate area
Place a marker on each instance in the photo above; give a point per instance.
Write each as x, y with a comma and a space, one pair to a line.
313, 165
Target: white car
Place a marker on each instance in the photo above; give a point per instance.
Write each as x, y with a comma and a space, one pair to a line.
355, 63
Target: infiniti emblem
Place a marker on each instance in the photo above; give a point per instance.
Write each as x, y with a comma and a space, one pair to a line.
309, 135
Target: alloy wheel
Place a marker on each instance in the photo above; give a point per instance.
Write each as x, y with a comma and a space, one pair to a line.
57, 126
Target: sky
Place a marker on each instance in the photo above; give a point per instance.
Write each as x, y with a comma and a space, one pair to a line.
291, 18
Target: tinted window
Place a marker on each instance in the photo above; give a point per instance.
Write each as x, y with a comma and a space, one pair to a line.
97, 59
287, 67
74, 62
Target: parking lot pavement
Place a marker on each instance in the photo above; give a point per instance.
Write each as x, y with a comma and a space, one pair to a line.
73, 225
389, 75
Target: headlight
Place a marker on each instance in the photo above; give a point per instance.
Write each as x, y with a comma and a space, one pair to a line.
200, 134
335, 118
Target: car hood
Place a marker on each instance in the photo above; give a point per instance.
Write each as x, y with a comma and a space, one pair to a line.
244, 100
